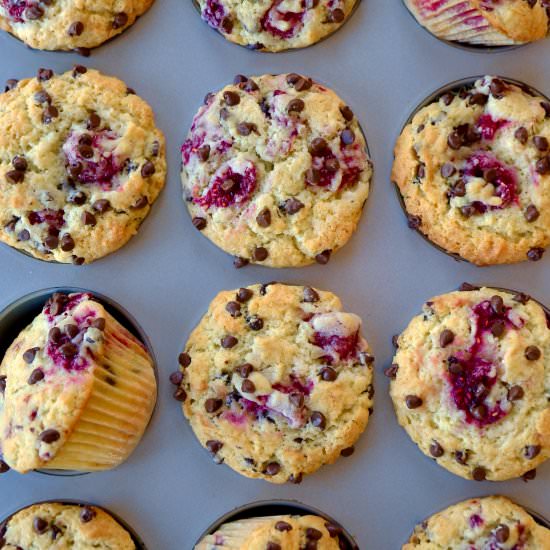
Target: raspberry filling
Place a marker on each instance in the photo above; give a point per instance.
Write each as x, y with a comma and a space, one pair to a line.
52, 218
472, 381
344, 346
324, 163
17, 8
355, 159
63, 303
191, 146
283, 24
230, 186
60, 359
503, 177
213, 13
90, 158
488, 126
475, 521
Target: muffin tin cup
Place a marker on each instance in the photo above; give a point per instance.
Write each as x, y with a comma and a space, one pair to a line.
20, 313
251, 47
136, 539
465, 46
278, 507
455, 86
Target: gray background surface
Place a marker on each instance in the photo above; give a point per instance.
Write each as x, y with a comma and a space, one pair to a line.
382, 64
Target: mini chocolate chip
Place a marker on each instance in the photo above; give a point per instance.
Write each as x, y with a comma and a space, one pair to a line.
347, 113
497, 303
295, 106
36, 376
332, 165
49, 436
297, 399
478, 99
333, 530
44, 74
283, 526
76, 28
98, 323
214, 446
142, 202
233, 308
421, 170
93, 121
515, 393
468, 211
502, 533
542, 165
244, 294
313, 534
498, 328
40, 525
413, 401
77, 260
532, 353
263, 219
67, 243
347, 136
68, 350
292, 206
245, 370
467, 287
248, 386
30, 354
347, 452
318, 420
391, 371
101, 206
324, 257
328, 374
318, 147
535, 254
521, 297
11, 84
529, 476
79, 70
455, 140
336, 15
299, 83
395, 340
88, 218
497, 87
447, 170
3, 469
541, 143
273, 468
479, 474
246, 128
462, 457
521, 135
199, 223
531, 213
414, 222
176, 378
239, 262
226, 24
55, 333
20, 163
203, 153
446, 338
212, 405
71, 330
310, 295
148, 169
313, 176
260, 253
532, 451
50, 112
184, 359
436, 450
479, 412
51, 242
231, 98
180, 395
228, 342
15, 176
87, 514
120, 20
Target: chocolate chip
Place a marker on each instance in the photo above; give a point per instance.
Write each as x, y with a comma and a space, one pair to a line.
214, 446
246, 128
176, 378
532, 451
336, 15
199, 223
245, 370
462, 457
535, 254
248, 386
522, 135
478, 99
233, 308
231, 98
226, 24
515, 393
148, 169
228, 342
184, 359
521, 297
76, 28
51, 242
318, 147
30, 354
299, 83
49, 436
67, 243
324, 257
273, 468
497, 304
391, 371
23, 235
295, 106
468, 211
292, 206
3, 469
529, 476
313, 534
502, 533
497, 87
203, 153
479, 412
228, 184
212, 405
347, 113
532, 353
20, 163
120, 20
68, 350
36, 376
50, 112
77, 260
446, 338
455, 141
44, 74
328, 374
318, 420
297, 399
310, 296
239, 262
87, 514
98, 323
479, 474
447, 170
283, 526
413, 401
244, 294
88, 218
142, 202
40, 525
10, 84
71, 330
93, 121
347, 452
436, 450
313, 176
347, 137
263, 219
101, 206
260, 253
531, 213
421, 170
542, 166
15, 176
541, 143
395, 340
414, 222
180, 395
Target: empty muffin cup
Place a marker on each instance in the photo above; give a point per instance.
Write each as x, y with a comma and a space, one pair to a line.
78, 382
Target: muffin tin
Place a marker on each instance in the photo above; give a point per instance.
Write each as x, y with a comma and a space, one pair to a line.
383, 65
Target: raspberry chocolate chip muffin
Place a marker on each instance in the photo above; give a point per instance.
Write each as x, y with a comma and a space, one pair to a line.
473, 168
275, 533
483, 22
58, 525
493, 522
276, 381
471, 383
275, 25
81, 163
68, 24
275, 170
77, 390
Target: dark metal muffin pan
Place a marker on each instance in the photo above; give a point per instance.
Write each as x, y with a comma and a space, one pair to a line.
168, 273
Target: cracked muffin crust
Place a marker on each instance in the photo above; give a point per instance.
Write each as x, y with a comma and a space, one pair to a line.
69, 24
275, 170
483, 22
76, 390
276, 381
274, 533
57, 525
81, 163
275, 25
473, 168
471, 383
488, 523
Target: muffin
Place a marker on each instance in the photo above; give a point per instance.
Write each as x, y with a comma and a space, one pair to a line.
275, 25
490, 522
482, 22
77, 389
275, 170
470, 383
68, 25
274, 533
473, 170
57, 525
276, 381
81, 163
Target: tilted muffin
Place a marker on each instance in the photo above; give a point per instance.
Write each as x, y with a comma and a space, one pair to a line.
275, 25
473, 168
483, 22
493, 522
275, 170
471, 380
57, 525
276, 381
81, 162
68, 24
77, 389
274, 533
